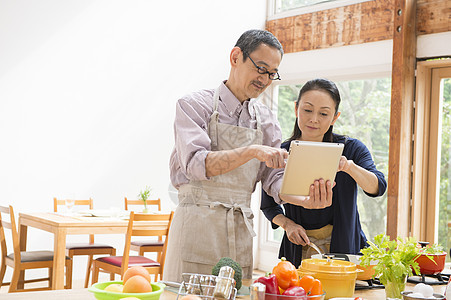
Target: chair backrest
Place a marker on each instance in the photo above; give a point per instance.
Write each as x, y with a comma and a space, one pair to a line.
135, 229
156, 202
59, 202
89, 203
11, 225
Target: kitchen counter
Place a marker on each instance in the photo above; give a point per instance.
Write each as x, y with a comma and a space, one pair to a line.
75, 294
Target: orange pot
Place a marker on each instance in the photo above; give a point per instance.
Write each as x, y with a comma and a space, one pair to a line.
367, 271
337, 277
429, 267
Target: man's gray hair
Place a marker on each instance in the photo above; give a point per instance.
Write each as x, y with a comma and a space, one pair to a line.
251, 39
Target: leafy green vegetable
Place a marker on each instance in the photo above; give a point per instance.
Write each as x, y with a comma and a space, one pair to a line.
396, 258
227, 261
432, 249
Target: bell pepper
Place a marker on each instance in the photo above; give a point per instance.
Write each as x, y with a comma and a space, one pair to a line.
271, 284
297, 292
286, 274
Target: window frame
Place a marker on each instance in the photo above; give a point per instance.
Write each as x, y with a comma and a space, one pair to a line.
426, 154
273, 14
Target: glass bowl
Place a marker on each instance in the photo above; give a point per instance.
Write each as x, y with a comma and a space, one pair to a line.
99, 293
284, 297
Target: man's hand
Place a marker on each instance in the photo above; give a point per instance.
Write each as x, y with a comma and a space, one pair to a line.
272, 157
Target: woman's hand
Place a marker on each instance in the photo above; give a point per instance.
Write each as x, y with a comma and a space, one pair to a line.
320, 196
344, 164
296, 234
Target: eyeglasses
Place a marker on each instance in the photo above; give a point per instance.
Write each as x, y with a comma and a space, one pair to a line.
263, 70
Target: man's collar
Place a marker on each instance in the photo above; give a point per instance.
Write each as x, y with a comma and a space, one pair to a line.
228, 98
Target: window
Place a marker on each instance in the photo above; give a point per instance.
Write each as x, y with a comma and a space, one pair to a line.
365, 114
284, 5
445, 164
431, 188
285, 8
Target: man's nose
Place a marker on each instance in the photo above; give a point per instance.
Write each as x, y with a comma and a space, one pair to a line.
264, 78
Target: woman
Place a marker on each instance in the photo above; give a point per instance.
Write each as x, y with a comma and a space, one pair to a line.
337, 228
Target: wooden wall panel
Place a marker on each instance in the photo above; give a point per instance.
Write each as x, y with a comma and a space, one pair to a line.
364, 22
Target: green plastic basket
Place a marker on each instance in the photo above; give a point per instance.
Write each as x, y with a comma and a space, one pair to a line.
99, 293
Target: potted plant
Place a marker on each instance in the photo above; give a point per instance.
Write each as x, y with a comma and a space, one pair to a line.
431, 259
144, 195
396, 260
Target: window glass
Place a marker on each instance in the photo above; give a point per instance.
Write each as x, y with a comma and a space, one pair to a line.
445, 165
365, 115
284, 5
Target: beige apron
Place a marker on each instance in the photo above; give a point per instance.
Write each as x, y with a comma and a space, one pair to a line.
214, 218
320, 237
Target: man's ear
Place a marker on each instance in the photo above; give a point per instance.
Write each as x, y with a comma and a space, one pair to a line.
235, 56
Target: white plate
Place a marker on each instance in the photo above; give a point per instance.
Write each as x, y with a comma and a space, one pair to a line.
103, 213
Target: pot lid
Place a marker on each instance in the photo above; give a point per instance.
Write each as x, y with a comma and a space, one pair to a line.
328, 266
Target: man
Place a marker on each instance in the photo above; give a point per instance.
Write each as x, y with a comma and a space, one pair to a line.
225, 142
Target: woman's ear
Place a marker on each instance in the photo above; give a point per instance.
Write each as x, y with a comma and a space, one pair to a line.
296, 108
335, 118
235, 55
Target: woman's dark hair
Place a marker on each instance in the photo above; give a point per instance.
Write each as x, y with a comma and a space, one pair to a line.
325, 85
251, 39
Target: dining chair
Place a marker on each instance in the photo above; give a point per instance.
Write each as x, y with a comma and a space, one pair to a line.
24, 260
90, 248
119, 264
143, 246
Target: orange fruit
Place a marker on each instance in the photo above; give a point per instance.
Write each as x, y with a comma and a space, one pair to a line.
191, 297
141, 271
115, 287
137, 284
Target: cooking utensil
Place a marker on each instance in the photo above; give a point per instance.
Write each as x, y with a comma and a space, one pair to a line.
405, 296
337, 276
316, 248
431, 267
368, 271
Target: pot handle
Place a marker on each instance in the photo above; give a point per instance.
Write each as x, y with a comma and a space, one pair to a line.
337, 256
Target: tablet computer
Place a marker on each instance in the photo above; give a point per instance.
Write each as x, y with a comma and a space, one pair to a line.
308, 161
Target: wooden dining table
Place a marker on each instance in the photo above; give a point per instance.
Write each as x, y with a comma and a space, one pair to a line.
75, 294
62, 225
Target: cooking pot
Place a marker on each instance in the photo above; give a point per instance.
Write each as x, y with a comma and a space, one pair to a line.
367, 271
337, 276
429, 267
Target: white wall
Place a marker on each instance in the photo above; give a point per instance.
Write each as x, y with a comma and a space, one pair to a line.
88, 91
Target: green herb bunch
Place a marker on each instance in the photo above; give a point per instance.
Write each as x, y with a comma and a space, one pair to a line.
144, 195
395, 258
